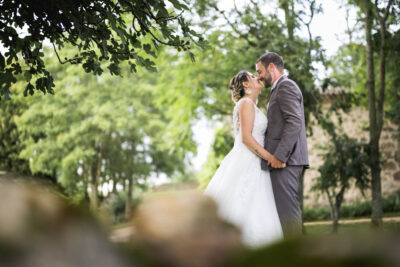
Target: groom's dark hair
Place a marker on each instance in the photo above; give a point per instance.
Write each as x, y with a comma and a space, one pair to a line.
271, 57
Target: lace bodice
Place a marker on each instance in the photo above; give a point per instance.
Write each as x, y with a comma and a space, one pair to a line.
260, 122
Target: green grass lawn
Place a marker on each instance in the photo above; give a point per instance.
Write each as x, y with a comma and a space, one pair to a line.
351, 228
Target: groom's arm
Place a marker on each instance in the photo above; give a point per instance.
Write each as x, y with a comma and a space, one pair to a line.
289, 99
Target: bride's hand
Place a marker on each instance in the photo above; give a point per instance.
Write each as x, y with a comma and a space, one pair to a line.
276, 163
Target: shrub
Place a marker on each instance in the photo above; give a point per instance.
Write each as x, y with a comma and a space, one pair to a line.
359, 209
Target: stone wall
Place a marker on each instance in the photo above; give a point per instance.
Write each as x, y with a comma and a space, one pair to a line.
354, 124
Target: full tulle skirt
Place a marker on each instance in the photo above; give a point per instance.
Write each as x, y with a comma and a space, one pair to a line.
243, 193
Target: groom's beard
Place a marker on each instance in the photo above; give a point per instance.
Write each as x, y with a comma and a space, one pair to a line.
267, 81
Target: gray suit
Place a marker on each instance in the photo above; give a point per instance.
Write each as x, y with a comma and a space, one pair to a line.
285, 138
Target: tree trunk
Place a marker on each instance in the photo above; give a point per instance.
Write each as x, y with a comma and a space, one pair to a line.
130, 176
376, 216
95, 180
288, 8
334, 217
338, 204
93, 196
124, 185
335, 220
377, 212
128, 202
114, 188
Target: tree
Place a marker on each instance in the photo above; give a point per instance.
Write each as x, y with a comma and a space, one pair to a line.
375, 104
356, 67
377, 122
95, 130
10, 144
103, 32
345, 160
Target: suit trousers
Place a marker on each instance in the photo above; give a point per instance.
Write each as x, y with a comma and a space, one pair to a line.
285, 186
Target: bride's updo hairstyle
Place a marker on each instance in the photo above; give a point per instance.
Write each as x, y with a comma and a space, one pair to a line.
236, 85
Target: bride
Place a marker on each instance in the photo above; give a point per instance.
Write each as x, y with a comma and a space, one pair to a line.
241, 189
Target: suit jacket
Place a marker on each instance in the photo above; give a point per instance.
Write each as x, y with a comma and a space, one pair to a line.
285, 136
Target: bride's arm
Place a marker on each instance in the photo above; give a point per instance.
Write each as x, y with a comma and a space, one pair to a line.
246, 115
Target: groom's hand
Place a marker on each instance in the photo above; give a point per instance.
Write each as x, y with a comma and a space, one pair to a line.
276, 163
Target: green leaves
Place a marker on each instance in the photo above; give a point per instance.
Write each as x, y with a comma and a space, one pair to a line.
100, 30
148, 50
27, 75
114, 68
29, 89
6, 79
179, 5
10, 136
121, 34
2, 61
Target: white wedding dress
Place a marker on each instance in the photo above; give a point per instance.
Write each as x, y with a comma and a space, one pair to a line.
243, 191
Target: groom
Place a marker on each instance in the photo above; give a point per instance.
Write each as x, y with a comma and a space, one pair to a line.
285, 139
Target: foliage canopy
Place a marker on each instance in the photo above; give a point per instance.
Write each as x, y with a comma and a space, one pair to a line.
100, 30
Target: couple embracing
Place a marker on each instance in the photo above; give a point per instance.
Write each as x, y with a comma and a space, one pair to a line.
256, 185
